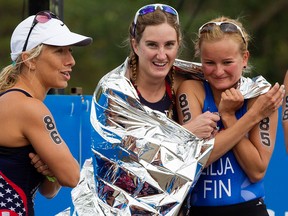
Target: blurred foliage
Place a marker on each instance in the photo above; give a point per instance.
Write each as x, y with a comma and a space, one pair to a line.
107, 23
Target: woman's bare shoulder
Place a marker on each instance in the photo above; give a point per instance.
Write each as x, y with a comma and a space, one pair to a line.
191, 85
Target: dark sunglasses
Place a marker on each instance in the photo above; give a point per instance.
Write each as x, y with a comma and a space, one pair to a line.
224, 26
41, 17
150, 9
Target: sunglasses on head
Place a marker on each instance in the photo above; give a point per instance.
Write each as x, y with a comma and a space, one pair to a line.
41, 17
150, 9
225, 26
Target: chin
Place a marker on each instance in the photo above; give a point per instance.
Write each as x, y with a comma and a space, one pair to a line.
64, 85
222, 85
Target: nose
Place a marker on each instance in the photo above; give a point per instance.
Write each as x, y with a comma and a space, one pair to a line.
219, 70
70, 60
161, 53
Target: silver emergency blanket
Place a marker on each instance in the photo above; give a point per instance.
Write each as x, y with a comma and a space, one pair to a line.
190, 70
249, 87
254, 87
143, 163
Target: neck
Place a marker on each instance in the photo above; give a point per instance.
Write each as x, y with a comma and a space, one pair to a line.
33, 88
150, 90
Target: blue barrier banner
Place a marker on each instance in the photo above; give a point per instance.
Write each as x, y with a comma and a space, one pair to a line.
72, 116
276, 179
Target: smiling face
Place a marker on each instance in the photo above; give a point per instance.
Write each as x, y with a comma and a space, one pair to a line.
54, 65
222, 62
156, 51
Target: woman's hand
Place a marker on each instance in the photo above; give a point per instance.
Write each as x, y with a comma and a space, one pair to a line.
40, 166
50, 187
204, 125
231, 101
267, 103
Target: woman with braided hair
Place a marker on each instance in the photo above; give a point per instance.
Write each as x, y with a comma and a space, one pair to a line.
133, 116
155, 39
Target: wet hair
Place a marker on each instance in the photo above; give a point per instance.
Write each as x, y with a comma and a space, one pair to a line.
10, 74
216, 34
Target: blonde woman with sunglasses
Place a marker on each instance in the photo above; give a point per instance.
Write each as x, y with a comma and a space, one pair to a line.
232, 182
32, 153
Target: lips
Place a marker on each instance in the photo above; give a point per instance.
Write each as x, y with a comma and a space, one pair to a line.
159, 64
66, 75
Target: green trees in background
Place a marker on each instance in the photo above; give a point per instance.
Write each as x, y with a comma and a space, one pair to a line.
107, 22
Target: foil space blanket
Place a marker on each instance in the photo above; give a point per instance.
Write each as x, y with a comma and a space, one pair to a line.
143, 163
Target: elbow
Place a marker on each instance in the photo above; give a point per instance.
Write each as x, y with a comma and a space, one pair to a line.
257, 174
75, 181
69, 177
71, 182
256, 177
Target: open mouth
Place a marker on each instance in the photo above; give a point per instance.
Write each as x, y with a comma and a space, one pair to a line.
159, 64
66, 75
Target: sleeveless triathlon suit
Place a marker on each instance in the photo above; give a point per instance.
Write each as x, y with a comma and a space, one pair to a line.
224, 182
19, 180
164, 104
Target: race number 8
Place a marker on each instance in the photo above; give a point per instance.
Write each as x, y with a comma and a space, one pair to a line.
183, 102
51, 127
264, 133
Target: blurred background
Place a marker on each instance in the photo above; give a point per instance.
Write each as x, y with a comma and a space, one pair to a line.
107, 23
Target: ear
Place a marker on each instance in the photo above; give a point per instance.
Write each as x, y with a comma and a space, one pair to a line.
134, 45
246, 58
28, 62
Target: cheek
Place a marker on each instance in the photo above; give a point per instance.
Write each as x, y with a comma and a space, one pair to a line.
207, 70
235, 70
174, 54
144, 53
